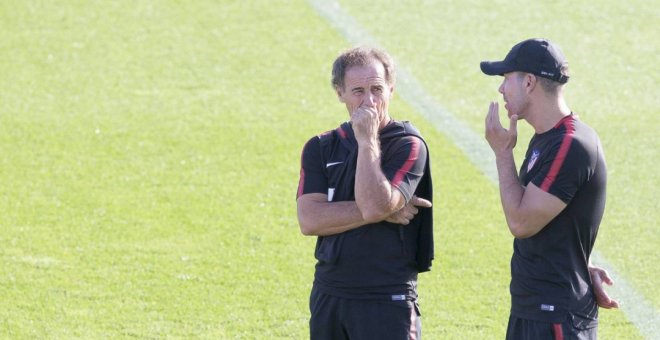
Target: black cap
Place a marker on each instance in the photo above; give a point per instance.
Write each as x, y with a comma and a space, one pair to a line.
537, 56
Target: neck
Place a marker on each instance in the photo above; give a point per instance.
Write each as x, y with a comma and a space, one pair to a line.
546, 113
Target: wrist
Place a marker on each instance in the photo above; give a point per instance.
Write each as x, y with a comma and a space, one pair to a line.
504, 156
369, 142
373, 150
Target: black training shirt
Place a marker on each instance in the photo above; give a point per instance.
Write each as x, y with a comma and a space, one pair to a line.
549, 276
375, 261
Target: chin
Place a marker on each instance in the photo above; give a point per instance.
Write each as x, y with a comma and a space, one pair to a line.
510, 113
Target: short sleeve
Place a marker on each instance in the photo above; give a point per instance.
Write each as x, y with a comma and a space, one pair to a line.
404, 164
562, 174
312, 177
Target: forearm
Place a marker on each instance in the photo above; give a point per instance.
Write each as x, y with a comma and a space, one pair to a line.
374, 195
527, 209
511, 191
321, 218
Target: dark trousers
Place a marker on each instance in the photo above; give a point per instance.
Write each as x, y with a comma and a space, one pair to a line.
523, 329
335, 318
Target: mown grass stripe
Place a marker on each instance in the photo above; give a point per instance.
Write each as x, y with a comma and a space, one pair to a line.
636, 308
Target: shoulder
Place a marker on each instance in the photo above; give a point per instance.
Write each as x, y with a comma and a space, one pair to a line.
313, 144
572, 126
583, 139
322, 137
413, 141
570, 134
313, 141
328, 141
401, 130
410, 129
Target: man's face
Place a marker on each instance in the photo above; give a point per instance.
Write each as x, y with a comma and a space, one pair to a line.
513, 91
366, 86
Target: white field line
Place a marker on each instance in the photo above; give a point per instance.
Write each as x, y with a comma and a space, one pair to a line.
639, 311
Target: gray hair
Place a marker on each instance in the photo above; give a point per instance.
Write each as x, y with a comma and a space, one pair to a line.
361, 56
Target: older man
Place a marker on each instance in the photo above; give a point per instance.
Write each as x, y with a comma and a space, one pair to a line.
359, 189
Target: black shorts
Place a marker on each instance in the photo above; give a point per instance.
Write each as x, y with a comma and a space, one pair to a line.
335, 318
523, 329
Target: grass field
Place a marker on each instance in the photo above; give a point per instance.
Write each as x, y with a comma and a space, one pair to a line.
150, 156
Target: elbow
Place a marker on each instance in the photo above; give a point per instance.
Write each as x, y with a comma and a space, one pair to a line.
308, 226
518, 234
307, 229
519, 230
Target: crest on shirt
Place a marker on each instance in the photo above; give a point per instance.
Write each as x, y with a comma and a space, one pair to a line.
532, 160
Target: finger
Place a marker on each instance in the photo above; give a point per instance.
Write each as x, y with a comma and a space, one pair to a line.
494, 111
358, 113
513, 125
494, 115
614, 303
394, 219
603, 299
367, 111
605, 276
420, 202
611, 304
608, 303
489, 115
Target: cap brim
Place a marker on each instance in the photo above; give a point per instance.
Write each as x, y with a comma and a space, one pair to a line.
495, 68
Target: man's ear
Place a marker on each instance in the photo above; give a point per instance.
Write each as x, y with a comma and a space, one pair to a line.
339, 92
392, 91
530, 82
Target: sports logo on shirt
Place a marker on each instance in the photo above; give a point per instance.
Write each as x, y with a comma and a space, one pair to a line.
532, 161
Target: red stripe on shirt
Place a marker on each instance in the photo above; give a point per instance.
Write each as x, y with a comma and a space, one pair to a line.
341, 132
561, 156
412, 334
559, 333
412, 157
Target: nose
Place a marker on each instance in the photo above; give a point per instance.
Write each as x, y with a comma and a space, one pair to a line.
369, 100
501, 89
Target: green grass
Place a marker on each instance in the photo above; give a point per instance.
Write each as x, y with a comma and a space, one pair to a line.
150, 157
611, 78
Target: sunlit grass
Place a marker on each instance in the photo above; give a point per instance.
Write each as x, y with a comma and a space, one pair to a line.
150, 157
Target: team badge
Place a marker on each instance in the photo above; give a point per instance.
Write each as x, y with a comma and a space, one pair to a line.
532, 161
